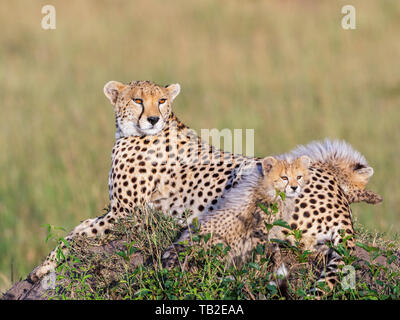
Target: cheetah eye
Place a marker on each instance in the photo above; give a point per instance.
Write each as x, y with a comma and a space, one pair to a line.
138, 101
284, 178
299, 177
161, 101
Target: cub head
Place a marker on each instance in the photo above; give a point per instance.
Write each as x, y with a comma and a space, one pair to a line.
354, 176
353, 179
141, 107
284, 176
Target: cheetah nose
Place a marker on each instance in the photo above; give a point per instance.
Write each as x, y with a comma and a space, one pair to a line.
153, 120
294, 188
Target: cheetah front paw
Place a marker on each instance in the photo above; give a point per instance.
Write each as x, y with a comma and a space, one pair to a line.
40, 271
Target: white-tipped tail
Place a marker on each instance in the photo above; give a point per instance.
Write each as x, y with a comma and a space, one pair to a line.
326, 151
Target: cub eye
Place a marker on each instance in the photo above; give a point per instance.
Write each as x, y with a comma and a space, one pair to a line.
161, 101
284, 178
138, 101
299, 177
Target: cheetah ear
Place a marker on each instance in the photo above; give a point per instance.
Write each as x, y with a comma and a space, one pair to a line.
305, 161
366, 172
268, 163
173, 90
112, 89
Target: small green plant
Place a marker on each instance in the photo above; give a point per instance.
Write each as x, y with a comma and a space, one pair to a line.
83, 274
130, 249
52, 232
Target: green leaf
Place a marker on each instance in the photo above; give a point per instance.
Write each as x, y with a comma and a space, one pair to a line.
268, 226
254, 265
49, 236
282, 242
259, 249
363, 246
390, 259
282, 223
195, 223
65, 242
281, 194
274, 208
196, 238
375, 254
272, 289
263, 207
48, 227
123, 255
297, 234
227, 249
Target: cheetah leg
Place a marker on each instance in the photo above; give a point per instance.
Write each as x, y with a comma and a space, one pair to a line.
170, 258
95, 227
330, 273
48, 265
280, 271
367, 196
241, 246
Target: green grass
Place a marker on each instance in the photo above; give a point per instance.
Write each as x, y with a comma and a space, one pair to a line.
285, 69
136, 272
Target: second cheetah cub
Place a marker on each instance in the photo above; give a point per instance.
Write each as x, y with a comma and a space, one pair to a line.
237, 216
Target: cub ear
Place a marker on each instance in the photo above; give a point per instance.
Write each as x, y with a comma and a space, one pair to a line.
366, 172
268, 163
112, 89
305, 161
173, 90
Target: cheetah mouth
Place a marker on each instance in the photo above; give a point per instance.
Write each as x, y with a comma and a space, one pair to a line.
131, 128
148, 128
152, 130
292, 194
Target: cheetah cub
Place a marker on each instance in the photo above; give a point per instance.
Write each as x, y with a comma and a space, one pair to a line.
236, 217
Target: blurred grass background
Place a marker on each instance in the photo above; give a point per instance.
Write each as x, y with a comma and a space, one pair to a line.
287, 69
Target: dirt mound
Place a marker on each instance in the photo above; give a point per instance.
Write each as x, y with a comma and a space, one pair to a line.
108, 262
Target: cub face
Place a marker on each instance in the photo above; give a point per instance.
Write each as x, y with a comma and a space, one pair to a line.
141, 107
284, 176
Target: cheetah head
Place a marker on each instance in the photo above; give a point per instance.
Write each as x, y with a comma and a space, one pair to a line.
354, 176
141, 107
288, 177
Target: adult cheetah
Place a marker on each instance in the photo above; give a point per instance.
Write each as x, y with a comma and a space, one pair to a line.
157, 159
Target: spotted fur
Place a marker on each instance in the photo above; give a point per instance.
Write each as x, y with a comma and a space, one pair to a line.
322, 212
168, 165
353, 167
237, 215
